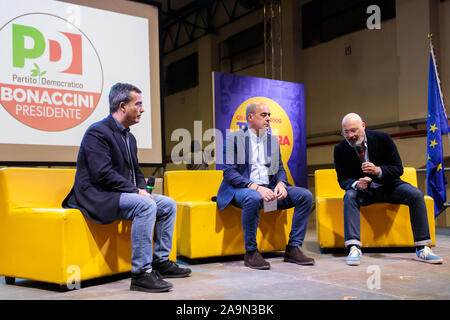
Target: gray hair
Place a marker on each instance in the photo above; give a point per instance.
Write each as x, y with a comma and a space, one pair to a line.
251, 108
120, 92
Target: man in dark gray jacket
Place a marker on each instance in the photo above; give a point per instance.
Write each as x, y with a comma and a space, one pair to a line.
110, 186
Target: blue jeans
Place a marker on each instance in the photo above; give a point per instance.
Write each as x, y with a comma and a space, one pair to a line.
251, 203
403, 193
145, 212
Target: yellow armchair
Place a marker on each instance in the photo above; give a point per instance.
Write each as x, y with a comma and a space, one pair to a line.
382, 224
41, 241
204, 231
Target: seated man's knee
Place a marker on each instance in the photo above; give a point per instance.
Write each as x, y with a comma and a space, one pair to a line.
146, 206
307, 195
172, 205
300, 195
416, 194
351, 195
252, 198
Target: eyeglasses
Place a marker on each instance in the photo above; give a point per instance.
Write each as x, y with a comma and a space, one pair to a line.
347, 132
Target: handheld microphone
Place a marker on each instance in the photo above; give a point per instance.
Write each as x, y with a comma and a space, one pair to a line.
150, 184
361, 153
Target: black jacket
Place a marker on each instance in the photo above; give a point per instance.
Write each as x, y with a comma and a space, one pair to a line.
103, 172
382, 152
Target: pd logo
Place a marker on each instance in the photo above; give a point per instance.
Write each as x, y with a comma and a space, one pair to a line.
51, 77
20, 52
280, 127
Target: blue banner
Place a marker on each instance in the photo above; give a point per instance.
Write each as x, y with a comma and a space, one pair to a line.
286, 100
437, 125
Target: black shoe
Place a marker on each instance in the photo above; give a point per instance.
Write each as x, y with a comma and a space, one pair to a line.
169, 269
255, 260
149, 282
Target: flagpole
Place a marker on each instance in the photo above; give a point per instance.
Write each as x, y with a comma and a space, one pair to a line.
430, 36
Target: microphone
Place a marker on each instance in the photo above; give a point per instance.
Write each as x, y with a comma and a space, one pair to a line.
361, 153
150, 184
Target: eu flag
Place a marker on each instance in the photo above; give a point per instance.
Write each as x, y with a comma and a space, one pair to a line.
437, 125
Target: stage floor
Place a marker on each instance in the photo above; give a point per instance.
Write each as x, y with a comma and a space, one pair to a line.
330, 278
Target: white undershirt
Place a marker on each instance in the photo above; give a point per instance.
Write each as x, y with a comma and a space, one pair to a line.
259, 173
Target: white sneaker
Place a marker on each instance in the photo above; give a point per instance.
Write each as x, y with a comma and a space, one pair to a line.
426, 255
354, 257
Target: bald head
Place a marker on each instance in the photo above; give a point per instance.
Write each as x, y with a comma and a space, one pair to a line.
353, 129
351, 117
258, 117
252, 108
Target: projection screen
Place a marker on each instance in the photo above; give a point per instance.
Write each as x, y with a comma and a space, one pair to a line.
58, 61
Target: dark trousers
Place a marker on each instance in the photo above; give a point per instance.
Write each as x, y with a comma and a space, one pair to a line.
401, 193
251, 203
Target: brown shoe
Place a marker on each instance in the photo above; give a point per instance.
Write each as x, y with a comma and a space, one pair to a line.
295, 255
255, 260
